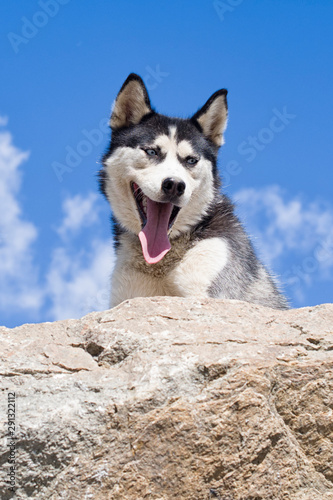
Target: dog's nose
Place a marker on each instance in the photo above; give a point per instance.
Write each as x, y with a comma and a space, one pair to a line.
173, 187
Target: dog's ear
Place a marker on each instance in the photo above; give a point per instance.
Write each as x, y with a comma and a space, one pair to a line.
212, 117
132, 103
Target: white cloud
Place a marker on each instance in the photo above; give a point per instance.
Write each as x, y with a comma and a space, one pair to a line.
3, 121
18, 274
79, 212
78, 284
77, 280
290, 229
290, 224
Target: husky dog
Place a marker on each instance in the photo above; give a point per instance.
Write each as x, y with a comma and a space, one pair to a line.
175, 233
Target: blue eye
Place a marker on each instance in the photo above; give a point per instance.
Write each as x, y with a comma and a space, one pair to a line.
151, 152
190, 160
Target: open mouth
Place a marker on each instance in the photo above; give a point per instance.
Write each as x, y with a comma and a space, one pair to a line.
141, 203
157, 219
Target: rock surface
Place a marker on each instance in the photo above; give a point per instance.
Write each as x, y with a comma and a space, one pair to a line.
170, 398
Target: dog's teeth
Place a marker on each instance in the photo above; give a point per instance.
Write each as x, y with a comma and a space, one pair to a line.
144, 204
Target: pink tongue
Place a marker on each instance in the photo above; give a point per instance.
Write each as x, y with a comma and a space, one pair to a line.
154, 236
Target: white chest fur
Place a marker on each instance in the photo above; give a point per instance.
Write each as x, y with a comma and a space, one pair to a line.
186, 271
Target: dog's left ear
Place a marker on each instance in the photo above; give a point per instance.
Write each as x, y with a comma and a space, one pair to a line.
212, 117
132, 103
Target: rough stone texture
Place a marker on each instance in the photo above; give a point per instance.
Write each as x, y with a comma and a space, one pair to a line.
170, 398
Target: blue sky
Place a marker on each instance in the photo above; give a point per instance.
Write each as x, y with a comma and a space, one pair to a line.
63, 62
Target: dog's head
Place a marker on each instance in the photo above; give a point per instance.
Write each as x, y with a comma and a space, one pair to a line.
159, 173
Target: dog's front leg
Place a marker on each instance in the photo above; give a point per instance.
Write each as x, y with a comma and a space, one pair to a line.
199, 267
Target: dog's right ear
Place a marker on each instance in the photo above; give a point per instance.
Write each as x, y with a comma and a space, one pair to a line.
132, 103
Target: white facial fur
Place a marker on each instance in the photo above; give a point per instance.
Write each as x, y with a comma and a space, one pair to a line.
128, 165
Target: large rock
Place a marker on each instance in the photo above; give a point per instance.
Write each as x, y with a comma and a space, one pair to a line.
170, 398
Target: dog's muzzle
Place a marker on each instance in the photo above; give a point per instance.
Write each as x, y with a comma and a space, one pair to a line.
157, 218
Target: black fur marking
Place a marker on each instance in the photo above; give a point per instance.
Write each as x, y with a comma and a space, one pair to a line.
102, 180
117, 231
203, 147
222, 222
